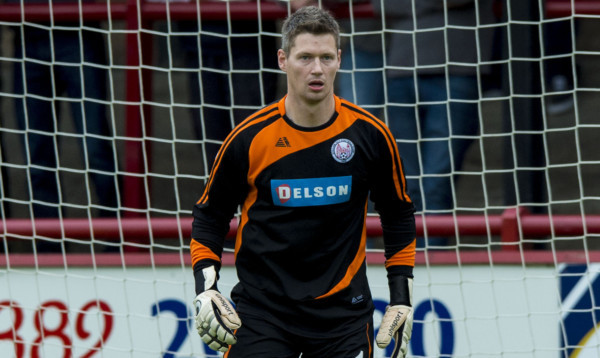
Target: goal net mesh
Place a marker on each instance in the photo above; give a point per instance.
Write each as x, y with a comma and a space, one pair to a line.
112, 112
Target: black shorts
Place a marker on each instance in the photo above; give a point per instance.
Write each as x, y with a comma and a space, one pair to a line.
260, 338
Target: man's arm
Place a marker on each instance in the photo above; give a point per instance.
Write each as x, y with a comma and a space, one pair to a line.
216, 318
396, 212
399, 238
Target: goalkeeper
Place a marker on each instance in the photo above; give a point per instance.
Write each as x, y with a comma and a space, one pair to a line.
302, 170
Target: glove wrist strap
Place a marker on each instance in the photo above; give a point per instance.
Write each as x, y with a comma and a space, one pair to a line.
400, 290
205, 278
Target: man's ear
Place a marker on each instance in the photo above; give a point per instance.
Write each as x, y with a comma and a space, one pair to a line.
281, 59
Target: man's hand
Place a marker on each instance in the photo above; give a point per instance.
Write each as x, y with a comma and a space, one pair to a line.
397, 324
215, 320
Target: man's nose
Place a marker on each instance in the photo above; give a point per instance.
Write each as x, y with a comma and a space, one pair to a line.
317, 66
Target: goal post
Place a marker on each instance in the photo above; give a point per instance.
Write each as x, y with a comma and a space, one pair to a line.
515, 278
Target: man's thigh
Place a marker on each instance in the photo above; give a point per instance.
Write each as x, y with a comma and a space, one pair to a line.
258, 338
356, 344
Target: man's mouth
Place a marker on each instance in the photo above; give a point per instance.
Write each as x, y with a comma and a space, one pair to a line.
316, 85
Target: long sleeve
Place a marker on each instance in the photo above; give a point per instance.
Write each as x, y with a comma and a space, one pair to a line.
396, 210
214, 210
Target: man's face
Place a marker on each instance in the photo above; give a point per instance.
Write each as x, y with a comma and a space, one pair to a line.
311, 66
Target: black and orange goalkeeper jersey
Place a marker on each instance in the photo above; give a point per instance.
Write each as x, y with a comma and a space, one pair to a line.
303, 192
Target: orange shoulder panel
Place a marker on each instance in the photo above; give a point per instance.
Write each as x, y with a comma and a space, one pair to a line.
258, 117
399, 178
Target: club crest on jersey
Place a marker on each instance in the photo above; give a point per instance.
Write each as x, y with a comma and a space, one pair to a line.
311, 191
342, 150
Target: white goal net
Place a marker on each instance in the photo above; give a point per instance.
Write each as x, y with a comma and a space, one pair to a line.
112, 111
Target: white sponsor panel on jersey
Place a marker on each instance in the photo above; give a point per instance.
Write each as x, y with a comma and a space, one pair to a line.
311, 191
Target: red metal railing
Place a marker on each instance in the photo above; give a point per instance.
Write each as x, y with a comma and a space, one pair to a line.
512, 226
561, 8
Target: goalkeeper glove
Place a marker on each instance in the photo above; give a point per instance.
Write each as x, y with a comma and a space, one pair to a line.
215, 316
397, 322
215, 320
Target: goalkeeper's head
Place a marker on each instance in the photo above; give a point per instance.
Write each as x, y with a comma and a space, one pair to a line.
309, 19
